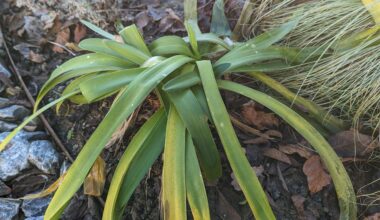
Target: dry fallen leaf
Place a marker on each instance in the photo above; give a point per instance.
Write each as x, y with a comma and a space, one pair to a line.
79, 33
295, 149
298, 201
258, 118
375, 216
142, 19
95, 180
171, 22
35, 57
52, 188
62, 38
317, 178
351, 143
276, 154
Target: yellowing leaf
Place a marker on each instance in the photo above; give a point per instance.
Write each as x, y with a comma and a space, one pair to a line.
95, 180
47, 191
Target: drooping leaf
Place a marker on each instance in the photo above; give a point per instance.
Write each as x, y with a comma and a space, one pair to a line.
128, 101
247, 179
103, 84
140, 154
344, 189
4, 143
173, 173
196, 122
195, 188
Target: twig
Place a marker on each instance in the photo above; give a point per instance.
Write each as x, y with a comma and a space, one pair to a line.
32, 101
63, 47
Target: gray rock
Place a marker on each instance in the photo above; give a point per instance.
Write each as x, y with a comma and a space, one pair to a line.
7, 126
4, 189
35, 218
43, 155
14, 159
14, 113
9, 209
35, 207
20, 154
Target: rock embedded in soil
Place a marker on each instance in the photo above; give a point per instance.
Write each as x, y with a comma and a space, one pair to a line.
35, 207
7, 126
4, 72
14, 113
43, 155
14, 159
4, 189
22, 152
9, 209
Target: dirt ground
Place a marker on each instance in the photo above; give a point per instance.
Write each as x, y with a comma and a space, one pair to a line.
33, 31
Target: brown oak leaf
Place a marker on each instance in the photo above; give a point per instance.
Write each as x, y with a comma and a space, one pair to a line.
317, 178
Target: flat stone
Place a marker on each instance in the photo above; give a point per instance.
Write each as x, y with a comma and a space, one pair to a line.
14, 159
43, 155
4, 189
14, 113
35, 207
9, 209
7, 126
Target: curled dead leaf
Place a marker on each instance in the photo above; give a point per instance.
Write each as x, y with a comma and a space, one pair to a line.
35, 57
317, 178
258, 118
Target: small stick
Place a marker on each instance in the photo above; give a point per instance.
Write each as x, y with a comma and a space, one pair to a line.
32, 101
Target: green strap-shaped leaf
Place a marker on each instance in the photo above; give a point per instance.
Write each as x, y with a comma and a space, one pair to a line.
245, 176
140, 154
132, 36
209, 38
219, 21
342, 182
268, 38
192, 39
103, 84
90, 60
229, 63
127, 51
50, 84
196, 122
98, 45
170, 45
173, 173
182, 81
271, 66
195, 188
30, 118
98, 30
128, 101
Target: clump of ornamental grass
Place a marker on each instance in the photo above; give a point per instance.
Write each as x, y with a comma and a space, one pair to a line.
187, 76
345, 79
